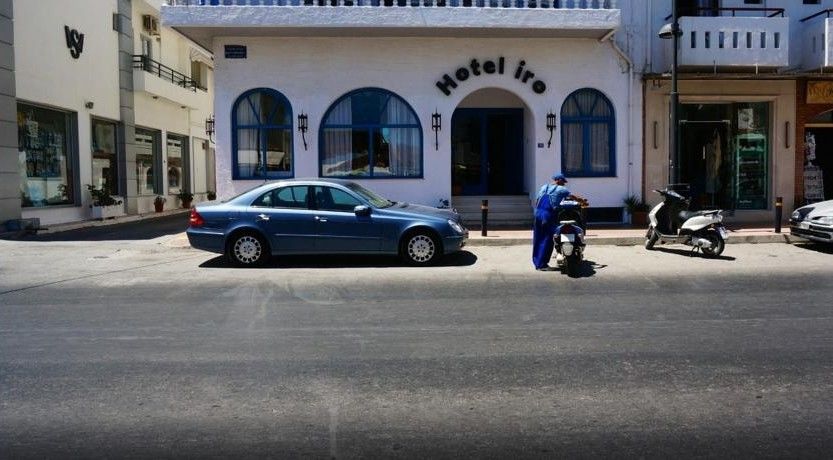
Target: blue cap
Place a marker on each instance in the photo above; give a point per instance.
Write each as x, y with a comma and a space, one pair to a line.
559, 177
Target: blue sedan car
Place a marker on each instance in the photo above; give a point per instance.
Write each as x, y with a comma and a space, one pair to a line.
316, 216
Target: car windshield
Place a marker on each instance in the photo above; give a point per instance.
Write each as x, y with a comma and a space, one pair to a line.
374, 199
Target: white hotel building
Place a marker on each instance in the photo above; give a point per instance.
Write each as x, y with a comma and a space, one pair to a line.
425, 100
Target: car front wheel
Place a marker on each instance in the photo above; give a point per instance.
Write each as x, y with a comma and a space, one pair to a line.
420, 248
247, 250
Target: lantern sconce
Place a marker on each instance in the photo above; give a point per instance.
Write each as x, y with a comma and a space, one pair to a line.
436, 125
209, 127
550, 126
303, 126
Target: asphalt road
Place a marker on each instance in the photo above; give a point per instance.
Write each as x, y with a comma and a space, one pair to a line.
142, 349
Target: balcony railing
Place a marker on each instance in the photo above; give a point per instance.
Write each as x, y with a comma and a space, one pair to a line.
816, 34
516, 4
164, 72
733, 12
734, 42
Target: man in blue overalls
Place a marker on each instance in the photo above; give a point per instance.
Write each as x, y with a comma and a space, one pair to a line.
547, 204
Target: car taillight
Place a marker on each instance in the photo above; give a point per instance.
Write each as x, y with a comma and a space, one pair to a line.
195, 219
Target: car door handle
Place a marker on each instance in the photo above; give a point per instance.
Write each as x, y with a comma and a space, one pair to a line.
262, 217
321, 219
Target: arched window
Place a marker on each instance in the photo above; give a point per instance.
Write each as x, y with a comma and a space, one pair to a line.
588, 135
262, 135
369, 133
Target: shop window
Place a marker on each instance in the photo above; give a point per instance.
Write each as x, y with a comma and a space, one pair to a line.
177, 172
262, 135
105, 159
45, 157
148, 161
588, 135
370, 133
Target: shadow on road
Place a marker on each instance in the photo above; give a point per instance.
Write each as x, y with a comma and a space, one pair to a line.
145, 229
818, 247
690, 253
458, 259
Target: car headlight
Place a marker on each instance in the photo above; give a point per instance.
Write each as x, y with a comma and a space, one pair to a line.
456, 227
826, 220
796, 215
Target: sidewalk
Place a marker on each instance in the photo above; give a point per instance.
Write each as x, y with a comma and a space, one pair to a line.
628, 236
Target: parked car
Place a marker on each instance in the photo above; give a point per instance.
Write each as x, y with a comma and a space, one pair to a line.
813, 222
316, 216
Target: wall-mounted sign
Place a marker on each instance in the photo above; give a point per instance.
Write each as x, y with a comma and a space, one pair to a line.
75, 42
235, 51
820, 92
475, 68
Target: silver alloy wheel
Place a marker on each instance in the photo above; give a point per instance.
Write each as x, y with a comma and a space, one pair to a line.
247, 249
421, 248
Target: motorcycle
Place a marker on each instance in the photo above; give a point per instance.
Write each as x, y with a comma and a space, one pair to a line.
672, 222
569, 237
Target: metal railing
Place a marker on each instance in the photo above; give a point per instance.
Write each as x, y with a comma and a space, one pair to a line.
521, 4
164, 72
825, 12
768, 12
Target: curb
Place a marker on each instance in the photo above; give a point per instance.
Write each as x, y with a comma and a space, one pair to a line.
107, 222
635, 241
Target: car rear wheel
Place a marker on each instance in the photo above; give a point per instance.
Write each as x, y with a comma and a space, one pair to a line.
247, 250
420, 248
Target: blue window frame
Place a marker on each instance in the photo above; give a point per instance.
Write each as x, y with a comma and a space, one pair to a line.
261, 129
588, 135
370, 133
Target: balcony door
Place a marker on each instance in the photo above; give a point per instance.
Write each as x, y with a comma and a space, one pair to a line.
698, 8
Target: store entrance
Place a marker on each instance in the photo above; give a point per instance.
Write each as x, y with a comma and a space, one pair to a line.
487, 151
818, 151
706, 164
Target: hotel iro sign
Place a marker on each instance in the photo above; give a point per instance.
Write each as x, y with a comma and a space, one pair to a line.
820, 92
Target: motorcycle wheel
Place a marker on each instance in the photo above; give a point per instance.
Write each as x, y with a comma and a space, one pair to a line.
651, 240
718, 245
573, 262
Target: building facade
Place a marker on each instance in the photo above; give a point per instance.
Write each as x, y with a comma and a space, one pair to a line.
424, 102
104, 98
755, 103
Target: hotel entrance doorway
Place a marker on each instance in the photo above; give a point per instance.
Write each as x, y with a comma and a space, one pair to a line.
487, 151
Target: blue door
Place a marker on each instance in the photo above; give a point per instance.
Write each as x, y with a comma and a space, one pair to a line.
487, 152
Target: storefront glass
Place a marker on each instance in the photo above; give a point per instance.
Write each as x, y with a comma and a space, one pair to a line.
105, 165
46, 174
176, 172
725, 154
147, 159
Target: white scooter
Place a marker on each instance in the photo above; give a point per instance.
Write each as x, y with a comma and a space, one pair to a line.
671, 222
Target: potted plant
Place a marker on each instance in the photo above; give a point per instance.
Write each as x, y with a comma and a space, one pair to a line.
186, 198
638, 210
104, 205
211, 195
159, 203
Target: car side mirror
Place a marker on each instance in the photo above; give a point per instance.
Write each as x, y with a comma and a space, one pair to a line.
362, 210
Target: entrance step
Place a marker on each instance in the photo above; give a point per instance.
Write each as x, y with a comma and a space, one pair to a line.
504, 210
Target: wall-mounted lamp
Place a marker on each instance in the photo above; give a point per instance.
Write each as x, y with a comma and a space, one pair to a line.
550, 126
209, 127
436, 125
303, 127
787, 135
89, 104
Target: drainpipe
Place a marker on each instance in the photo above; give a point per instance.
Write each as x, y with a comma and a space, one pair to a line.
609, 37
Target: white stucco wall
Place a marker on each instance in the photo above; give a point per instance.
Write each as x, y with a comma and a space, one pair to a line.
313, 72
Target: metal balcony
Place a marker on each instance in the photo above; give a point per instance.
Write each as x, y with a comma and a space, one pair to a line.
202, 20
734, 41
817, 33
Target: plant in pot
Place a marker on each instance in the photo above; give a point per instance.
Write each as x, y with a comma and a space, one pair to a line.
104, 205
638, 209
159, 203
211, 195
186, 198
